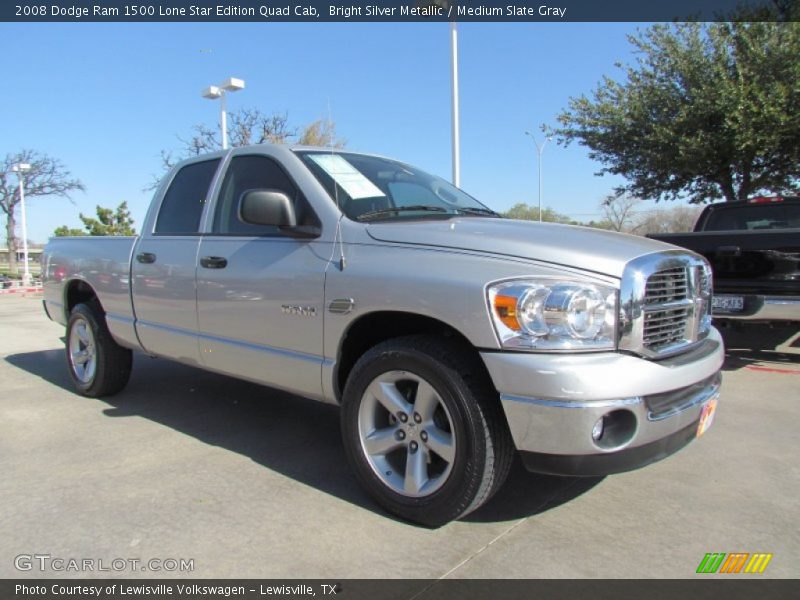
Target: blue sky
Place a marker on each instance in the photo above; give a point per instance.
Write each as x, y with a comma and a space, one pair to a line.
106, 98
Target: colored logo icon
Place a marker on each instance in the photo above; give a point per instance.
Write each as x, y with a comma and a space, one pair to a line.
735, 562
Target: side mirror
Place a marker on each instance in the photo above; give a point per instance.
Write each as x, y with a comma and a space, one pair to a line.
267, 207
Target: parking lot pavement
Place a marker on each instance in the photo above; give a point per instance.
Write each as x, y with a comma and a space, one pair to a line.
249, 482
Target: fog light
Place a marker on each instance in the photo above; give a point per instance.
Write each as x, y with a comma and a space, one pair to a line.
597, 430
614, 430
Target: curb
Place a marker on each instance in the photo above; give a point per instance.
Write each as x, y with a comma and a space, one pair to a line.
21, 290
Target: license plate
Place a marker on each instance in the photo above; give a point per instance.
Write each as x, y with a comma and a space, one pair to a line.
706, 416
727, 303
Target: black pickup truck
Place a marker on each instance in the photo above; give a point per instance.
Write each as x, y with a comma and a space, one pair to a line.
754, 250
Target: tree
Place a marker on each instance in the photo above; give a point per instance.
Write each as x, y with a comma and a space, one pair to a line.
321, 132
677, 219
245, 126
619, 211
780, 10
531, 213
604, 224
249, 126
65, 231
109, 221
46, 177
707, 111
682, 218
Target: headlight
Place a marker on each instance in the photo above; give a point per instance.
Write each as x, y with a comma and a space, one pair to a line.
554, 315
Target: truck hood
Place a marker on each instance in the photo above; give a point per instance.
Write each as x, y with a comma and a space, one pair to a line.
584, 248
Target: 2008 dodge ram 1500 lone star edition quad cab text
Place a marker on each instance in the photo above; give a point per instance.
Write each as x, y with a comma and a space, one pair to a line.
450, 336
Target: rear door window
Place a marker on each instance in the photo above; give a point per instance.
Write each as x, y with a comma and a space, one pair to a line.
185, 199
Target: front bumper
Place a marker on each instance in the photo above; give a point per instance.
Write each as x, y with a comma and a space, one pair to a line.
594, 465
651, 408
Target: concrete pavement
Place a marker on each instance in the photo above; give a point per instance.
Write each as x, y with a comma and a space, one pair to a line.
249, 482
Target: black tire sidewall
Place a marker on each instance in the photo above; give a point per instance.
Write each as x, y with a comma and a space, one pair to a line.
111, 358
464, 481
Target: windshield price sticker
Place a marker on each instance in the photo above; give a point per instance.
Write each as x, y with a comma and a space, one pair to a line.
350, 179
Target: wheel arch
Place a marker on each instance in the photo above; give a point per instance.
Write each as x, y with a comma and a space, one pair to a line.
79, 291
375, 327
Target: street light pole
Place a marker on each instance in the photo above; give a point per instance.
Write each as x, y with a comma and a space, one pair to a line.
539, 150
223, 120
454, 99
19, 169
214, 92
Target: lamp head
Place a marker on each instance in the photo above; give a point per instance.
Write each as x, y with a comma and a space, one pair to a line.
232, 84
212, 92
21, 168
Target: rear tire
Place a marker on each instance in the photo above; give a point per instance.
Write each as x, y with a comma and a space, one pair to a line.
98, 365
423, 429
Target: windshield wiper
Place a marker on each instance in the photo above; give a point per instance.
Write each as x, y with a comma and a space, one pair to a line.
477, 210
368, 216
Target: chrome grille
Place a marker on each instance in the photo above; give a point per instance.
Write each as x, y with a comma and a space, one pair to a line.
666, 313
664, 300
705, 282
668, 285
664, 327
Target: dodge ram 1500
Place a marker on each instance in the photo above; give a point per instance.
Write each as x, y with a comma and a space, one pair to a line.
450, 337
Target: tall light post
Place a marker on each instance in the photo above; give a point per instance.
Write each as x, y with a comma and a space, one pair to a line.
20, 169
214, 92
539, 150
454, 99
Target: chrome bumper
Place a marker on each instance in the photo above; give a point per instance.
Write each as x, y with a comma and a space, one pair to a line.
765, 308
553, 402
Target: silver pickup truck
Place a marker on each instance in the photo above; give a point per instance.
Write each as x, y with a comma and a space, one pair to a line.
449, 336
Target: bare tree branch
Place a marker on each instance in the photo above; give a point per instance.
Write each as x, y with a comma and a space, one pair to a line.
47, 177
247, 126
619, 211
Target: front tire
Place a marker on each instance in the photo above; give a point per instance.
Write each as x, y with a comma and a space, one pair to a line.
98, 365
423, 429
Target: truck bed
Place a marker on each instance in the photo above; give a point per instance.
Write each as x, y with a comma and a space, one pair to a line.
104, 264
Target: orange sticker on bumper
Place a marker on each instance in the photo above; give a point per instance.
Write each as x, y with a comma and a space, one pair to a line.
706, 416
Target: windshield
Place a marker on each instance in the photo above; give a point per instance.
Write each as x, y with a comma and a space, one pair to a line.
368, 188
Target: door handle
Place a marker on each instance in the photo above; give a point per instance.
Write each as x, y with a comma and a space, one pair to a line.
146, 257
214, 262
